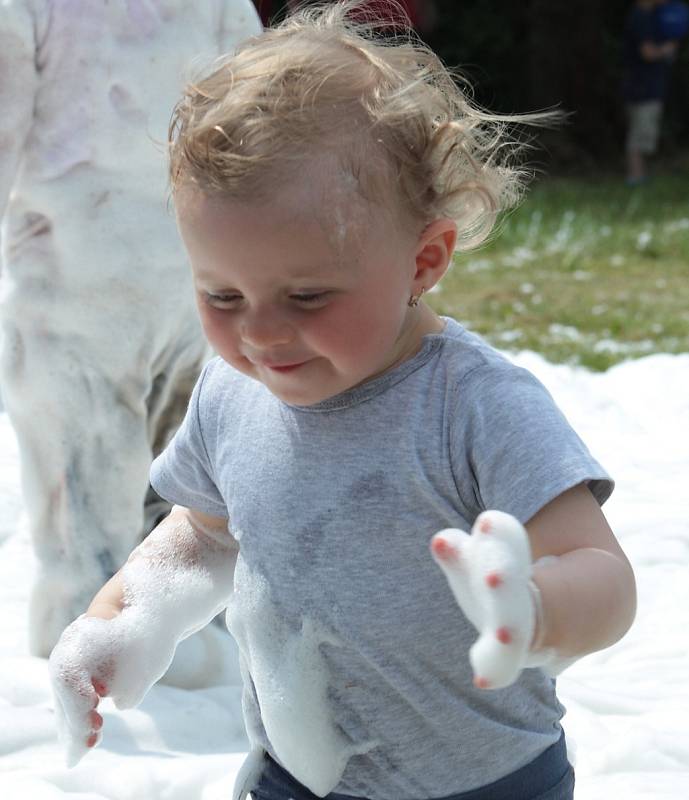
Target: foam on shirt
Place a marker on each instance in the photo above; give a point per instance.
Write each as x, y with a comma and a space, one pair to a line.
289, 676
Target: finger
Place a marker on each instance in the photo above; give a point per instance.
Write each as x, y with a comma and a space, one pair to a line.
81, 671
75, 705
444, 550
96, 723
93, 740
451, 549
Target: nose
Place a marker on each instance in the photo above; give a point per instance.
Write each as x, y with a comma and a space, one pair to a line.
265, 328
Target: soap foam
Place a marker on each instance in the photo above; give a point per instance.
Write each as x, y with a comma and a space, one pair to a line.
489, 573
291, 682
174, 584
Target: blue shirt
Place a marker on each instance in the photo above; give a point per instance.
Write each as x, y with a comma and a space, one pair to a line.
643, 80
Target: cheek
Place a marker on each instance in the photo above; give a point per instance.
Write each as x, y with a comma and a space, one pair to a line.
358, 332
217, 329
208, 322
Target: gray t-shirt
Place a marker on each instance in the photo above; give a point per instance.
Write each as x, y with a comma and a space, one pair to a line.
334, 505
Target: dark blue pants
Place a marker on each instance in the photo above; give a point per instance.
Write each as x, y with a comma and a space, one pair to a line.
548, 777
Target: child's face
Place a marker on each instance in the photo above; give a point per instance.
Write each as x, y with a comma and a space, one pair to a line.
308, 298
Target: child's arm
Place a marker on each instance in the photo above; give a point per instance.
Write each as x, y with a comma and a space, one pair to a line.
588, 593
110, 600
172, 585
578, 597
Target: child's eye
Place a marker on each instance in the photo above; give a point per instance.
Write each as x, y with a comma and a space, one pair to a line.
223, 301
310, 298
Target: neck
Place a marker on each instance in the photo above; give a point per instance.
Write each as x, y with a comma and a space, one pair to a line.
421, 321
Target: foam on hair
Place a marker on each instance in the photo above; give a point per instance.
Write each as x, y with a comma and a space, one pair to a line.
323, 81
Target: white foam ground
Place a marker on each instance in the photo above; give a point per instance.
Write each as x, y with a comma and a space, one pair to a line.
628, 707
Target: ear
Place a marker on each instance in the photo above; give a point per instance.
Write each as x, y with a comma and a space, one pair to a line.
434, 251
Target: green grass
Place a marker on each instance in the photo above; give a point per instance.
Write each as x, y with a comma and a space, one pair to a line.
585, 271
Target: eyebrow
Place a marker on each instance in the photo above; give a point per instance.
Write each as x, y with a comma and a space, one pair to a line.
219, 284
320, 272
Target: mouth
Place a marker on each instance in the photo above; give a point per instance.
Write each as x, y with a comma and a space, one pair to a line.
284, 367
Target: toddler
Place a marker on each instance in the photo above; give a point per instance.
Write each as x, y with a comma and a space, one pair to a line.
322, 180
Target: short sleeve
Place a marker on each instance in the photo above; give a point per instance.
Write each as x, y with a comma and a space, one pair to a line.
513, 449
183, 473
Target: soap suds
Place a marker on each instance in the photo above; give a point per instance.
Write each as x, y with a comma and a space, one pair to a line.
290, 678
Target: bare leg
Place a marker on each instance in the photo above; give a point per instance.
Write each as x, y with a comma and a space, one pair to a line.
636, 167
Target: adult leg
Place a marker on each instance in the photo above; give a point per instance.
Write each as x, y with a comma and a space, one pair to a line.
84, 457
77, 385
175, 374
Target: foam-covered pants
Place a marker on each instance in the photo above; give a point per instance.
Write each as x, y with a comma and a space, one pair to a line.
94, 386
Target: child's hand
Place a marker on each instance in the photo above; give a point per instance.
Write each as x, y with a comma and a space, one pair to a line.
172, 585
96, 658
489, 574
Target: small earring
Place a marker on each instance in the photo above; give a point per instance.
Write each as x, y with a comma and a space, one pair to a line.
414, 299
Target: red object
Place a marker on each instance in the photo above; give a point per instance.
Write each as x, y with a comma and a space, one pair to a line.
443, 549
503, 635
494, 580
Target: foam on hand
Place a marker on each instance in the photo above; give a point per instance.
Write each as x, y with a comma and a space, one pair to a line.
176, 582
291, 682
489, 573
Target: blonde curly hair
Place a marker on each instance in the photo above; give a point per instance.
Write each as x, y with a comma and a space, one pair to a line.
323, 82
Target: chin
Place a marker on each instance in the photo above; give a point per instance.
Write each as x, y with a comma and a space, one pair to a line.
299, 398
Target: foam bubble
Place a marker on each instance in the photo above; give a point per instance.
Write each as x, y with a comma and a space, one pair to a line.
175, 583
291, 682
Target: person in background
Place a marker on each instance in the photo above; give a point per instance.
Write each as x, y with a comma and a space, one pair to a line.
101, 344
648, 57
